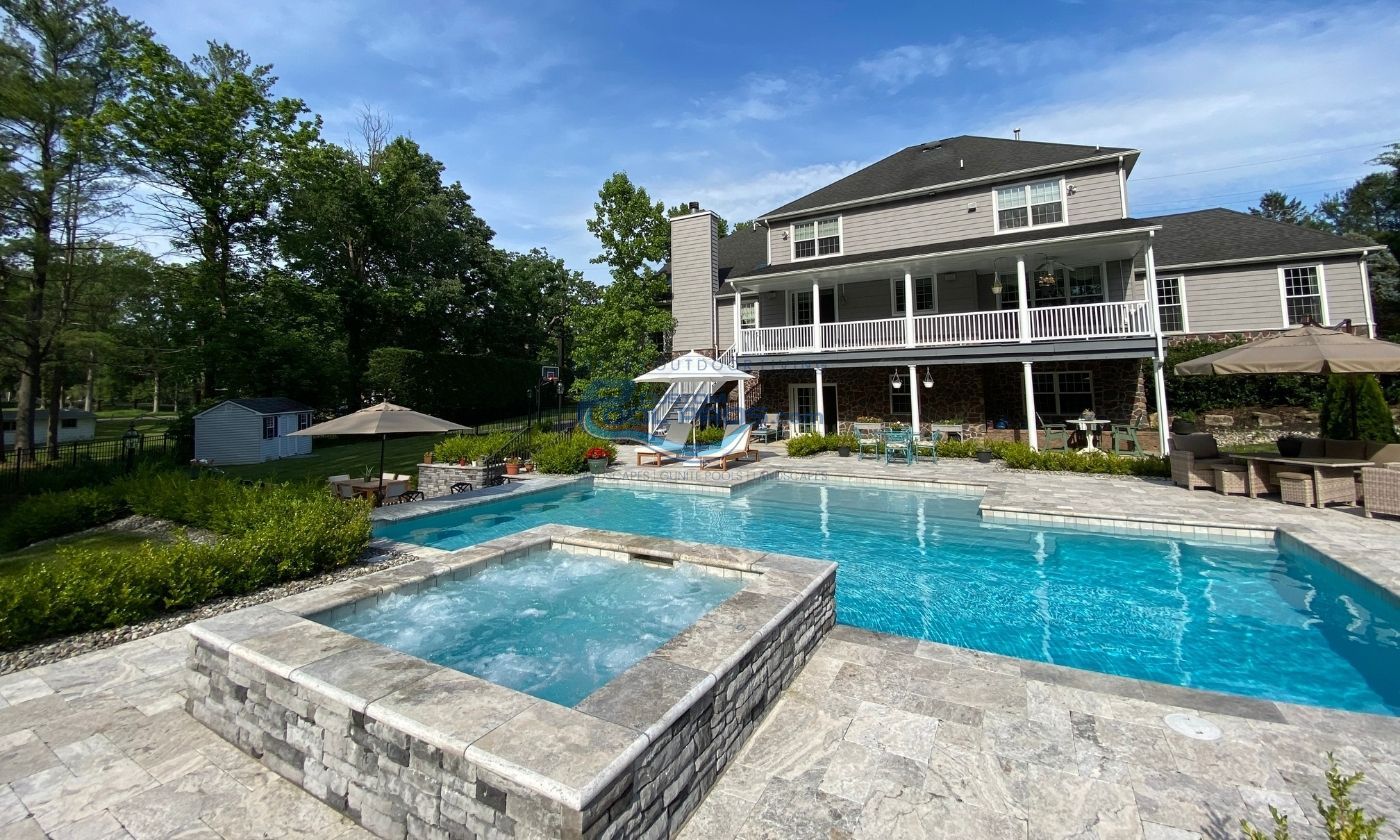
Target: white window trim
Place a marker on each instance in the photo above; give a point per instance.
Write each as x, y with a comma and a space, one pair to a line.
792, 238
1323, 315
1181, 293
1055, 377
908, 391
757, 312
1030, 224
897, 283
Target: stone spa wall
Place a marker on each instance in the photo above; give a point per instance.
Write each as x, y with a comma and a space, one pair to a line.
410, 749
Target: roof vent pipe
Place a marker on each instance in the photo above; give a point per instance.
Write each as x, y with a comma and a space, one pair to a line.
1016, 133
960, 163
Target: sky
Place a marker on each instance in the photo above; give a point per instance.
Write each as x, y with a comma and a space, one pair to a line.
532, 104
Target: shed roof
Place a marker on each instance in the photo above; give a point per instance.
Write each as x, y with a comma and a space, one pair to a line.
269, 405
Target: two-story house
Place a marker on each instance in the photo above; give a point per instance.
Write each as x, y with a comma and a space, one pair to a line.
992, 283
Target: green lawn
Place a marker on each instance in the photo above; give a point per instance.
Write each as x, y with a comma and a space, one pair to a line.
111, 427
16, 562
401, 455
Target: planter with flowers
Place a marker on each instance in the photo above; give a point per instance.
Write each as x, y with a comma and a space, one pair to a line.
597, 458
512, 466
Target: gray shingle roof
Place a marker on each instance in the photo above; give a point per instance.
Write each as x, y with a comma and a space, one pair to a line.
742, 252
1220, 235
1108, 226
271, 405
944, 162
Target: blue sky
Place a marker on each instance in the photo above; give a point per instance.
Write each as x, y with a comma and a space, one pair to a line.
744, 106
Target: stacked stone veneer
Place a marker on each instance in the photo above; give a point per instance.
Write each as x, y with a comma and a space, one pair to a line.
410, 749
437, 479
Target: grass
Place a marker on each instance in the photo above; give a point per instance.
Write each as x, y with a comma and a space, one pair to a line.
16, 562
401, 455
113, 427
1252, 448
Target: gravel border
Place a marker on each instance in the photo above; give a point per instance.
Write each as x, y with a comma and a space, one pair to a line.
55, 650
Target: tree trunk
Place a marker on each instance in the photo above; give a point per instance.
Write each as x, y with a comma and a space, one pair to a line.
87, 383
55, 405
26, 403
155, 393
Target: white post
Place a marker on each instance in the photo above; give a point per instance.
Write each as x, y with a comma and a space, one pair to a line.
1030, 405
1159, 383
738, 323
820, 426
908, 308
1023, 303
816, 317
914, 395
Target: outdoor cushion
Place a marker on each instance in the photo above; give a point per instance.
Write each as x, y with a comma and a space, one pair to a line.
1353, 449
1201, 445
1383, 453
1311, 448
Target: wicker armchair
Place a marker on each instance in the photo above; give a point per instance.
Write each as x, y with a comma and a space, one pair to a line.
1194, 459
1381, 488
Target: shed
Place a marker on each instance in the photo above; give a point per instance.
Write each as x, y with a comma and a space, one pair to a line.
250, 431
73, 425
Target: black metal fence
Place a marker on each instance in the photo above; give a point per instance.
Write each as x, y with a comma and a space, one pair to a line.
19, 465
519, 447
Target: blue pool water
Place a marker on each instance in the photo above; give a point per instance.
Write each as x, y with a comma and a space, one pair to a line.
1246, 620
555, 625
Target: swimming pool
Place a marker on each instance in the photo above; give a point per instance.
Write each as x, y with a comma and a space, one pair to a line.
1242, 619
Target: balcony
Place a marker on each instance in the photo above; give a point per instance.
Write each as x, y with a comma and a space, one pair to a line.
1118, 319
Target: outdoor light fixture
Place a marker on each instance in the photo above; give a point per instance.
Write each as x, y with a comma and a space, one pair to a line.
928, 378
895, 381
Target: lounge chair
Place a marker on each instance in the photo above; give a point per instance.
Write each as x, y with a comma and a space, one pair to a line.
670, 446
734, 427
731, 448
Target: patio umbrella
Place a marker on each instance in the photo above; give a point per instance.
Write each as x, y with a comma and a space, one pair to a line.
694, 367
383, 419
1307, 349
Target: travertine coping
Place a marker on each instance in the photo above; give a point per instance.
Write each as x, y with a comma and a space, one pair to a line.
571, 756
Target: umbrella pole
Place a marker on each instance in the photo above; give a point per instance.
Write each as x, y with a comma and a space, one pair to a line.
382, 438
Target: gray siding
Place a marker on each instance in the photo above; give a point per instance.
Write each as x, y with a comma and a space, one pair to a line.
694, 278
957, 292
724, 322
228, 434
964, 214
1248, 298
865, 301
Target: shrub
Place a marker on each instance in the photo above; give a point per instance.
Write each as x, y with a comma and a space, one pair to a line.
1021, 457
1341, 818
566, 453
709, 436
1355, 409
812, 443
51, 515
471, 447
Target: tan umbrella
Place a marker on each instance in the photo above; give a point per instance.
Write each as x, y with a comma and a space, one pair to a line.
383, 419
1310, 349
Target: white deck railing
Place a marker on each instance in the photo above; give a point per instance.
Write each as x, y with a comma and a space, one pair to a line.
1050, 323
1090, 320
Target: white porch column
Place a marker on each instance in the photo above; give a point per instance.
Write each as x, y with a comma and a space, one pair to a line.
820, 426
738, 322
908, 308
1159, 384
914, 395
816, 318
1154, 318
1030, 405
1023, 303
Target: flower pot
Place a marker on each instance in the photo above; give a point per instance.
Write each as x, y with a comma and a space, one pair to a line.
1289, 446
1183, 427
428, 457
984, 456
597, 465
512, 469
843, 451
461, 462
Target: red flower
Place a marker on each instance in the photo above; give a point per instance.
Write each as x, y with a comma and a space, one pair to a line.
597, 452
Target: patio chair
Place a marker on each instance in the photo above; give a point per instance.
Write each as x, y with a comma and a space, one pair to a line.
1126, 434
770, 428
730, 449
867, 437
928, 450
336, 479
461, 487
899, 443
1056, 434
344, 491
1381, 488
1194, 459
393, 490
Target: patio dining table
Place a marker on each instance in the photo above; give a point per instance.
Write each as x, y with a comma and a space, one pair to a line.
364, 487
1321, 468
1091, 429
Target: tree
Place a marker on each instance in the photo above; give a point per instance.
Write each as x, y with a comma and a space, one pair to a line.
60, 67
1280, 207
633, 232
721, 223
1355, 409
209, 139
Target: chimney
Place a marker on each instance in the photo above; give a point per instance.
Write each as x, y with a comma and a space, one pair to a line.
1016, 133
694, 279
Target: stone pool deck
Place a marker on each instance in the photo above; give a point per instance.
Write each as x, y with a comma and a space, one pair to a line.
878, 737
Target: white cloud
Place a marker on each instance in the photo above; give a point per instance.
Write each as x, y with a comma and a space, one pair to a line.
759, 98
902, 66
742, 197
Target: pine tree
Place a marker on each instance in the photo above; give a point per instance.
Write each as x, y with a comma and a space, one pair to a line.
1355, 409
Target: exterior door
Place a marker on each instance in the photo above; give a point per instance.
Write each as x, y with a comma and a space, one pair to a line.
286, 446
802, 409
829, 403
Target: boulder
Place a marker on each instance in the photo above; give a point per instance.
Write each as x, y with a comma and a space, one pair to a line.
1308, 416
1265, 420
1217, 420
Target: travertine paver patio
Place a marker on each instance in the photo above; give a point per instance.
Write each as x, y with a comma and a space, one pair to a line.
879, 736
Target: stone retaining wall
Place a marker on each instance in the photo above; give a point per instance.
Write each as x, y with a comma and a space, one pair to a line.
410, 749
437, 479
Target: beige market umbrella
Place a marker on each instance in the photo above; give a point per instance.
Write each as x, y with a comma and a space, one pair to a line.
1310, 349
383, 419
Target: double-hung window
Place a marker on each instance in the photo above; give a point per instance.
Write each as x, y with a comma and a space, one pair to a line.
818, 238
1302, 294
303, 420
1030, 205
748, 314
1171, 304
1010, 297
269, 428
1063, 393
1086, 285
900, 404
925, 295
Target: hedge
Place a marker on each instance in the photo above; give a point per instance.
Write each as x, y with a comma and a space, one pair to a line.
268, 535
1195, 394
50, 515
471, 447
1016, 455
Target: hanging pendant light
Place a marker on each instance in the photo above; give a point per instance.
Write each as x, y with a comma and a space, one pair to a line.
895, 382
928, 378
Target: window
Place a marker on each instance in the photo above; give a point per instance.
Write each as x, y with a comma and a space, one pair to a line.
1063, 393
1010, 293
68, 423
925, 295
1302, 294
819, 238
800, 308
9, 425
1050, 287
303, 420
748, 315
1086, 285
900, 405
1171, 304
1030, 205
269, 428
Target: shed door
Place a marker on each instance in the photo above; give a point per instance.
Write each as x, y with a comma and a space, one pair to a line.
286, 424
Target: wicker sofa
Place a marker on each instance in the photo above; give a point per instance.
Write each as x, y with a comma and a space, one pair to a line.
1194, 459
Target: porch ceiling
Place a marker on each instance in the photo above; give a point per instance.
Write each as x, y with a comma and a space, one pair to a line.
1046, 351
